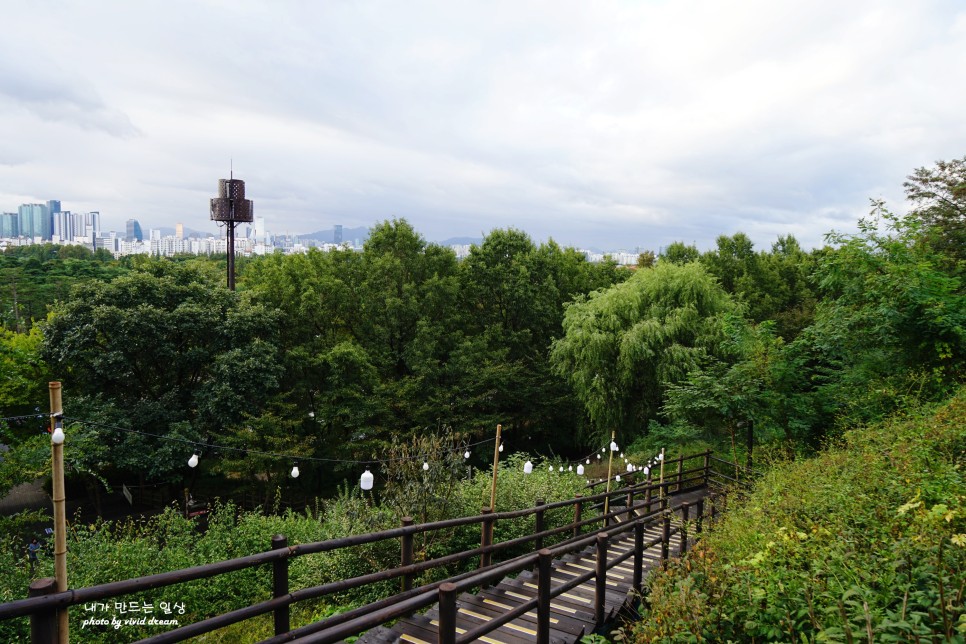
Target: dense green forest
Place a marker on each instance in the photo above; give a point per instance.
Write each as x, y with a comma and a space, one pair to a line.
341, 354
350, 356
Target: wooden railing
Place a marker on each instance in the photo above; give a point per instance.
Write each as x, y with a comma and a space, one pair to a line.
652, 496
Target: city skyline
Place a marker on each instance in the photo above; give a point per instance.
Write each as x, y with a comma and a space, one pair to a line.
607, 125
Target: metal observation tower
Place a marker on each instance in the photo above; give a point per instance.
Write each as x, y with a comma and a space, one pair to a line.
231, 208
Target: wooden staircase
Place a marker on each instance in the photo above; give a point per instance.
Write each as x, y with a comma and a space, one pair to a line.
571, 614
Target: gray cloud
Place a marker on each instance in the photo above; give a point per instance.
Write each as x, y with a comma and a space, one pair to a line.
609, 124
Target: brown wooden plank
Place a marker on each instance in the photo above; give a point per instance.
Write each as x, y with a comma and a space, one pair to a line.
492, 607
502, 635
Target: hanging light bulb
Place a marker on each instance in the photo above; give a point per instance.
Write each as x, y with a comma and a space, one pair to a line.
501, 446
528, 467
660, 456
466, 454
580, 470
295, 471
588, 461
57, 437
646, 470
365, 481
603, 449
570, 468
598, 457
630, 467
550, 469
618, 478
622, 454
613, 446
561, 468
425, 466
193, 461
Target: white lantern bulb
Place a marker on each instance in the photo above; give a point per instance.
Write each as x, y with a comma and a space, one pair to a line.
528, 467
570, 468
646, 470
425, 466
501, 447
365, 481
630, 468
613, 446
466, 454
598, 457
588, 461
57, 438
561, 468
580, 470
618, 478
550, 469
295, 471
193, 461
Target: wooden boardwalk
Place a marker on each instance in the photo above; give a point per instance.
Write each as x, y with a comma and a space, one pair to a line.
572, 614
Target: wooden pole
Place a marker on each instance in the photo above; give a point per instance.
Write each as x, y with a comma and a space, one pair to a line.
59, 499
496, 466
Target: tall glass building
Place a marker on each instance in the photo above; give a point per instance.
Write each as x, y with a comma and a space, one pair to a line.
34, 220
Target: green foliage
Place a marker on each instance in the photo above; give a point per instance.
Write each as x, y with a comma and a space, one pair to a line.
866, 541
892, 328
939, 197
164, 350
36, 276
623, 347
23, 373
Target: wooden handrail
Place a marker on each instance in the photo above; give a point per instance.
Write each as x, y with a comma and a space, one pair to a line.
389, 608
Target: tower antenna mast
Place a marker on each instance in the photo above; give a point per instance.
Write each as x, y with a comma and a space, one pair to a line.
231, 208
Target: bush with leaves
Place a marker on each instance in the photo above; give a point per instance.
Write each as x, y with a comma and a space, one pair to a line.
865, 542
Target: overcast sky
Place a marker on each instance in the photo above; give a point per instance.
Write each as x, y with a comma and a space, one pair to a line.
597, 123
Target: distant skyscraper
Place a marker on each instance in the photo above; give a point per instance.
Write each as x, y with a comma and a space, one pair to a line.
94, 221
34, 220
133, 231
179, 231
337, 234
9, 224
61, 224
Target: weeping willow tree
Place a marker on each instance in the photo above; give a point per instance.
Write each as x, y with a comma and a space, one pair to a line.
623, 346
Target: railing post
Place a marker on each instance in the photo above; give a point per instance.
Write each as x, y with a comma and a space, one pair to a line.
600, 582
447, 613
648, 493
543, 596
679, 473
685, 517
43, 624
639, 556
665, 533
578, 510
406, 558
707, 468
280, 585
630, 504
486, 536
699, 511
538, 523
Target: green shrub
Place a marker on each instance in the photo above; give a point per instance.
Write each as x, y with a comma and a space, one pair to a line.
865, 542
